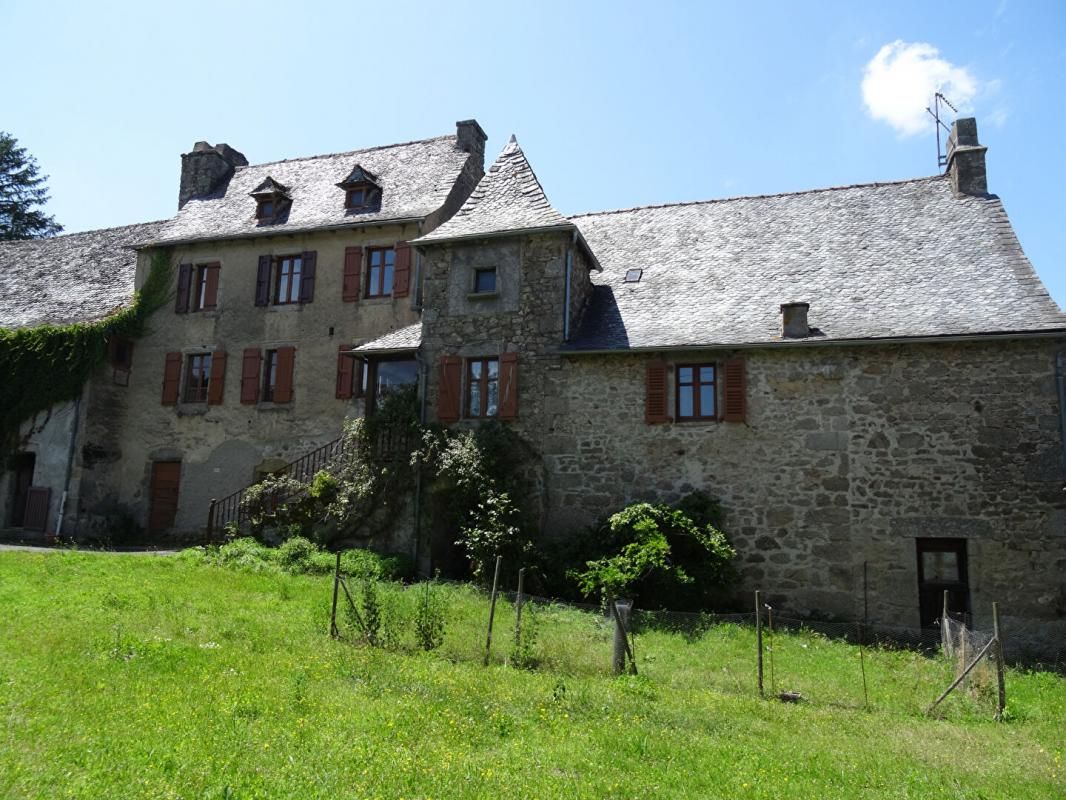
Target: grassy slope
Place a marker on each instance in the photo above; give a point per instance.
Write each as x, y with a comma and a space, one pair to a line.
127, 676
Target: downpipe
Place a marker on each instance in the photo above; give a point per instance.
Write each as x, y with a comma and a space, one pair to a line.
1060, 379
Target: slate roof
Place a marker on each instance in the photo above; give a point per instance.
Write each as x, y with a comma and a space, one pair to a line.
408, 338
79, 277
415, 177
508, 198
905, 259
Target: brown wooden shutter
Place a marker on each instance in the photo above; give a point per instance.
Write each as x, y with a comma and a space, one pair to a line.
181, 302
250, 363
655, 398
35, 517
353, 273
171, 379
211, 286
307, 276
286, 361
345, 372
217, 384
401, 276
450, 388
508, 386
735, 393
262, 282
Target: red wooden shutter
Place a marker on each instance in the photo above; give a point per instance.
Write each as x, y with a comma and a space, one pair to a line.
450, 387
655, 404
262, 282
508, 386
401, 280
735, 394
353, 273
35, 517
283, 388
345, 372
217, 383
171, 379
181, 302
307, 276
211, 286
250, 376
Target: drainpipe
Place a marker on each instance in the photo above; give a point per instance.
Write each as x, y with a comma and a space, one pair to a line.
70, 465
566, 292
1060, 379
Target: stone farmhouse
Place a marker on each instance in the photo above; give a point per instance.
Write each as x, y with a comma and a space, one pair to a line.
870, 378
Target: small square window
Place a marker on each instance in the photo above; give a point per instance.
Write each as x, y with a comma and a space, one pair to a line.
485, 280
265, 209
634, 275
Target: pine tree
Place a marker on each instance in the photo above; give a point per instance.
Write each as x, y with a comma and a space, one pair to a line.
21, 189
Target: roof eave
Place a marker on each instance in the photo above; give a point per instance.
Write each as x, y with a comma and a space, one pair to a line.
494, 234
1056, 333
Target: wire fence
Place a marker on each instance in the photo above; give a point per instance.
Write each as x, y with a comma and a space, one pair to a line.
816, 662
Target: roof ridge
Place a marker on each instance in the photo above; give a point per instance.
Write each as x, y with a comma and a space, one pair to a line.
757, 196
351, 152
44, 239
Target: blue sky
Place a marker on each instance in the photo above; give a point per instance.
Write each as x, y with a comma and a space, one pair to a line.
616, 104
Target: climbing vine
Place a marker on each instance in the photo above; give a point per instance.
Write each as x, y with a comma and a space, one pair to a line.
49, 364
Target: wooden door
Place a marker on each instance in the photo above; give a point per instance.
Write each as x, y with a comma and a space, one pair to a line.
24, 464
942, 567
163, 503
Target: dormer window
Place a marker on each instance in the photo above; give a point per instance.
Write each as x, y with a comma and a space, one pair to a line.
272, 202
362, 192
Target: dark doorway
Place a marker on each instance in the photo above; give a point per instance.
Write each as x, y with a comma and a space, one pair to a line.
163, 508
22, 465
942, 567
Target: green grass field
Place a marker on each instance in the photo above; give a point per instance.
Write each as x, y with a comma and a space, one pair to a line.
136, 676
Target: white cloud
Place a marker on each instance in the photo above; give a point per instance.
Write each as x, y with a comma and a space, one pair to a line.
899, 82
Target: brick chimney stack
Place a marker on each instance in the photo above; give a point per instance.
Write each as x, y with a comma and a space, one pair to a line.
966, 159
206, 168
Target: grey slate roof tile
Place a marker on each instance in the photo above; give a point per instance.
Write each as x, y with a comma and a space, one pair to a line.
881, 260
508, 198
415, 178
79, 277
407, 338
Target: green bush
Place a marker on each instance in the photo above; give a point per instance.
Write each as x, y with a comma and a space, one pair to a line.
298, 555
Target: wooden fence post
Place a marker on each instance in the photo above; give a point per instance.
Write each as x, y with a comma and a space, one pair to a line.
336, 585
518, 610
492, 609
758, 638
622, 650
1001, 698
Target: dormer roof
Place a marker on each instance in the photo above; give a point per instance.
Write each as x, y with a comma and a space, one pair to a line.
359, 176
269, 188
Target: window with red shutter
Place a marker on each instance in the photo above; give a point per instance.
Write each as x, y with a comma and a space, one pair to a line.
508, 385
171, 379
181, 301
655, 398
286, 362
734, 393
353, 274
401, 286
217, 384
450, 388
250, 376
345, 372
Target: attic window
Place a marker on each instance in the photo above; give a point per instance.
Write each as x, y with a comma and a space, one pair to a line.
634, 276
362, 192
272, 201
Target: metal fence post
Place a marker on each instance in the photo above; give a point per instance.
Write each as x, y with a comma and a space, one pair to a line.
758, 639
1001, 697
492, 609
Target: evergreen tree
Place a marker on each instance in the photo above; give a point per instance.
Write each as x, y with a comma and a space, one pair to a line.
21, 189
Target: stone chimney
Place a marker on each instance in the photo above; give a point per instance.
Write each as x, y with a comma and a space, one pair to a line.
794, 320
206, 168
471, 139
966, 159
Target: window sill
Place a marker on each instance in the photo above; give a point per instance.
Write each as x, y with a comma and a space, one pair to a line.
282, 307
271, 406
689, 420
378, 298
187, 409
482, 295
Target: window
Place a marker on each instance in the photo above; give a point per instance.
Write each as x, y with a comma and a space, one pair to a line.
270, 375
387, 378
197, 377
382, 262
356, 198
482, 387
205, 287
265, 209
485, 280
696, 391
287, 281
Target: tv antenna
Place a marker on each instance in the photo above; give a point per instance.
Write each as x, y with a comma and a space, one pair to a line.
938, 98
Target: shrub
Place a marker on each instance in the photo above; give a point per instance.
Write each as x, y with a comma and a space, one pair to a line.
429, 617
298, 555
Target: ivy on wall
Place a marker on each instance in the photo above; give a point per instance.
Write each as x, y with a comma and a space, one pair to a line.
49, 364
